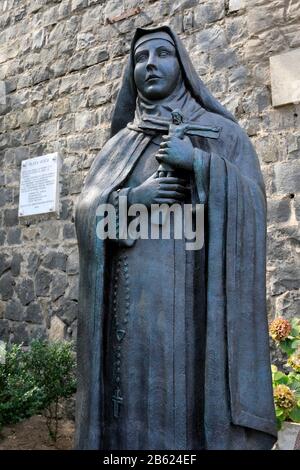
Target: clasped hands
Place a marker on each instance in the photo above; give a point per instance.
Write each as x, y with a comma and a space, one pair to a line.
178, 153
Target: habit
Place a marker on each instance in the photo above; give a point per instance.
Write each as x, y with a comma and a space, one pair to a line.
123, 222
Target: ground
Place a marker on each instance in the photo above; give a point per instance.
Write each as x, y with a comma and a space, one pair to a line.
32, 434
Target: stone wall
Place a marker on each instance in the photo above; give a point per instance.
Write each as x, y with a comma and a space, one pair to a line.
60, 65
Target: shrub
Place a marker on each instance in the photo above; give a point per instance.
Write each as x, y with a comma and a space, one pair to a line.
53, 368
20, 397
34, 380
286, 385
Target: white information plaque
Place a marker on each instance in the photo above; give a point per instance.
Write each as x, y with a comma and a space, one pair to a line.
39, 185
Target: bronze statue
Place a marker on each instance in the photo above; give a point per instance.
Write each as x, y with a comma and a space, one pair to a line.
173, 343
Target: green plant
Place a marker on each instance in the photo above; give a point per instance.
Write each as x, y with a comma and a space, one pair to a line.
20, 397
34, 380
53, 368
286, 385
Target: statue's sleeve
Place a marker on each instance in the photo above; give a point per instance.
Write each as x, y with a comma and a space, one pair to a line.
237, 328
240, 156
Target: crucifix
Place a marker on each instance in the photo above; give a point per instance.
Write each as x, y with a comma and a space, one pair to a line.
117, 400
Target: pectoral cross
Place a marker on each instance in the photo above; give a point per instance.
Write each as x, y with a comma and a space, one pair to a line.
117, 400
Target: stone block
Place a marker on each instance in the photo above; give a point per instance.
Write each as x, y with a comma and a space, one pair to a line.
55, 260
66, 209
67, 311
180, 5
69, 231
73, 262
188, 21
4, 330
6, 196
33, 262
92, 17
25, 291
6, 286
14, 236
42, 282
2, 237
33, 314
44, 114
9, 51
85, 120
57, 329
5, 263
35, 5
267, 149
85, 40
3, 93
99, 95
65, 126
285, 78
287, 177
285, 277
288, 304
78, 5
11, 217
263, 17
73, 290
238, 77
20, 334
96, 56
210, 39
297, 207
223, 59
14, 311
16, 264
279, 210
236, 5
292, 143
209, 12
28, 117
38, 39
20, 154
76, 184
2, 310
59, 285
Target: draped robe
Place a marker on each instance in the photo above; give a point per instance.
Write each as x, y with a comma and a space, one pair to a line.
237, 404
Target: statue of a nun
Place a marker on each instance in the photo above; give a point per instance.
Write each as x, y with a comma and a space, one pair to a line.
173, 343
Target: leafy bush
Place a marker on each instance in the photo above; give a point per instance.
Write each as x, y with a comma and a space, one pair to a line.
53, 368
286, 335
34, 380
20, 397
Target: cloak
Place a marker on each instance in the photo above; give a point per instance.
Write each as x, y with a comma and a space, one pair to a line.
238, 401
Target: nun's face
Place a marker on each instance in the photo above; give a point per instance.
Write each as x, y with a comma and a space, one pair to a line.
157, 70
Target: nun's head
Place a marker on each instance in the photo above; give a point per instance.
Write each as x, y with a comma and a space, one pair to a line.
156, 67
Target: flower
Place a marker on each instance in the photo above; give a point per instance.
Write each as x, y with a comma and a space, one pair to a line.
280, 329
294, 361
284, 397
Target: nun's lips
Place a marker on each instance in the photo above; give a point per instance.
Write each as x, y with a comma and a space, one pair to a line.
152, 77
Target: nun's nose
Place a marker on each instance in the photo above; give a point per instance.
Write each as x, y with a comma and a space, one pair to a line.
152, 62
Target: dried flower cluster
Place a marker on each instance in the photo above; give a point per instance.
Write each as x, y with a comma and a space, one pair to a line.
294, 361
280, 329
284, 397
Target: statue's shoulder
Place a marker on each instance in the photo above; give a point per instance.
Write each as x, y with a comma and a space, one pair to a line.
230, 131
224, 123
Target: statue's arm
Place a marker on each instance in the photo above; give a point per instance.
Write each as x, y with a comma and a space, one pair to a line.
240, 154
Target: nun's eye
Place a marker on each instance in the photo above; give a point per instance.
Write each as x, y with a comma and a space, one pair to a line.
163, 53
140, 57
